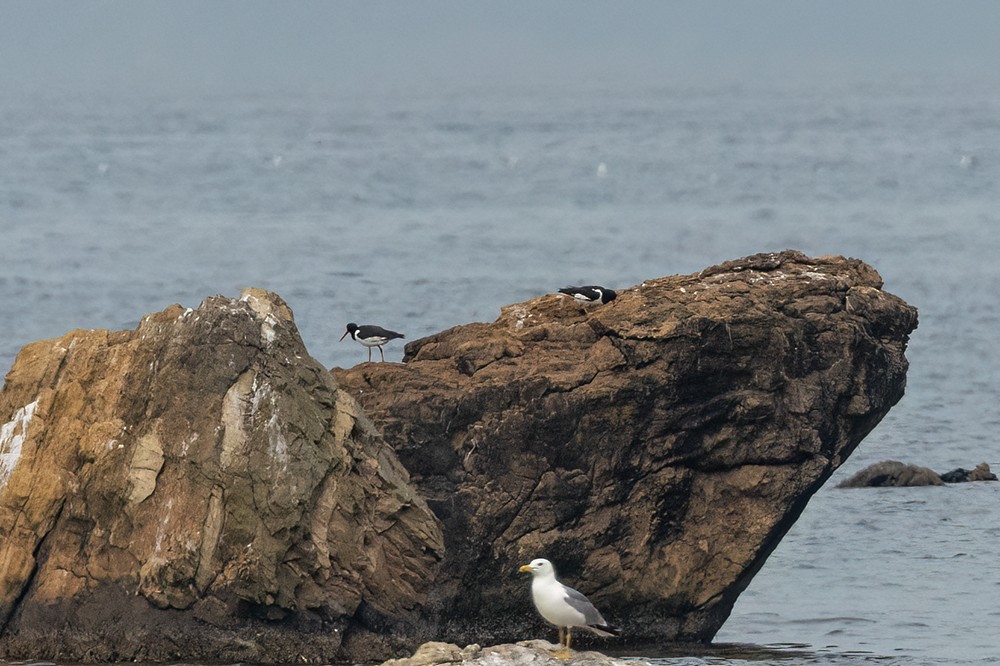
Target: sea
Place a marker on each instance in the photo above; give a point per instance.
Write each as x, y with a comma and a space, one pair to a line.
425, 208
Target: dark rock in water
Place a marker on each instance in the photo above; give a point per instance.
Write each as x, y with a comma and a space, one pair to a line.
199, 489
655, 448
892, 473
980, 473
958, 475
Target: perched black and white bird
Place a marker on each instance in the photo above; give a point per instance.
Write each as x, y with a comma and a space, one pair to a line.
563, 606
371, 336
590, 294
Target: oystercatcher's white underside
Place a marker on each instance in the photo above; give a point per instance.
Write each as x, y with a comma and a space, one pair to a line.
372, 342
584, 299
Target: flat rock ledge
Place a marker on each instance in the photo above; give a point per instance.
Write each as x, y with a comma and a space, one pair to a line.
523, 653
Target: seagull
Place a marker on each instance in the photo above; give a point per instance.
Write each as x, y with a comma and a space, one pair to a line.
371, 336
590, 294
563, 606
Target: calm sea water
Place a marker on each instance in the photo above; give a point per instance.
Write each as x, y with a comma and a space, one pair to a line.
419, 211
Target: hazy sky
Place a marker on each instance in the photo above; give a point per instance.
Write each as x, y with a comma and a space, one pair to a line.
250, 44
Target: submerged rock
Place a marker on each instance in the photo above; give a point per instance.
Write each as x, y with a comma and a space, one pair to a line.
892, 473
961, 475
199, 489
655, 448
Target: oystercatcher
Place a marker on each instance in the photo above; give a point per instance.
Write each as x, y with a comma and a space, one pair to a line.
371, 336
590, 294
563, 606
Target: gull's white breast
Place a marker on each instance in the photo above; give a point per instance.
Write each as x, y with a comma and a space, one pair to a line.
550, 600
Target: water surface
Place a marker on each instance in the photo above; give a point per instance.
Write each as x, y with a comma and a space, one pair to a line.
421, 211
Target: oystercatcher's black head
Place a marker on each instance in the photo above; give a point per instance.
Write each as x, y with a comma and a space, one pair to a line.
351, 329
608, 295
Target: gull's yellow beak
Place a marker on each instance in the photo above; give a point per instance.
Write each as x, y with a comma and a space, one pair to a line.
525, 569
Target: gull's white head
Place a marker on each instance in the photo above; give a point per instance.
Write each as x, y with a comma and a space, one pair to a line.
538, 567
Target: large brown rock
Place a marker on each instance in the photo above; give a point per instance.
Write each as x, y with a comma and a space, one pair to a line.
199, 488
656, 448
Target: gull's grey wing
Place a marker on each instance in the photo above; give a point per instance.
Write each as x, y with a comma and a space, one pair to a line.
582, 604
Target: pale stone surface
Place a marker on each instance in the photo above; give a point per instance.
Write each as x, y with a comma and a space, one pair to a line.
523, 653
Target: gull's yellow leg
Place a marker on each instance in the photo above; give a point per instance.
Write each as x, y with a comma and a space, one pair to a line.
564, 653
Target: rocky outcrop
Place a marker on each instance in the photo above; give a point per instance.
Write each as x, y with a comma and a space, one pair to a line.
656, 448
199, 488
895, 474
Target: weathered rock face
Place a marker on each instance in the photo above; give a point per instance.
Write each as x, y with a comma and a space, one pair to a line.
656, 448
199, 488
